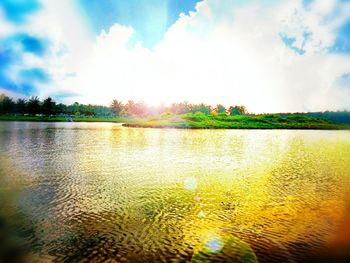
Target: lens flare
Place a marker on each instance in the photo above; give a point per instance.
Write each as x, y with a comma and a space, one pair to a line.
190, 183
214, 244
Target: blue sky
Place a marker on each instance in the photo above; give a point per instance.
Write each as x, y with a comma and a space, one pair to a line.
17, 10
150, 18
293, 53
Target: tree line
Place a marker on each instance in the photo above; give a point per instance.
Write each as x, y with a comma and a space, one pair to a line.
35, 106
140, 109
48, 107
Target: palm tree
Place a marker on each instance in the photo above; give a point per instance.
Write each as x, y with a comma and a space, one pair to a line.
33, 105
117, 107
21, 106
48, 106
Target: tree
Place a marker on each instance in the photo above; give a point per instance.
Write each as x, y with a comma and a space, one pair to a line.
48, 106
76, 108
242, 109
21, 106
130, 107
6, 104
206, 109
237, 110
179, 108
140, 109
220, 109
61, 108
117, 107
33, 105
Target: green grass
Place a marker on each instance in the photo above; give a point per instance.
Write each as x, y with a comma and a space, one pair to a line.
59, 119
221, 121
201, 121
98, 119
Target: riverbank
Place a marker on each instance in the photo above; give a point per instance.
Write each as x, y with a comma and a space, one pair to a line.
221, 121
202, 121
59, 119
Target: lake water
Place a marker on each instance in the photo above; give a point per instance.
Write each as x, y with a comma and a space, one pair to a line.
78, 192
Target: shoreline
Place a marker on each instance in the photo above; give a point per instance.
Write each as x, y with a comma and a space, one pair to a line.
61, 119
204, 123
336, 127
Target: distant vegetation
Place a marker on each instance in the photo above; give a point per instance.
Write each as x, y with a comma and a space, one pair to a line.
48, 107
177, 115
34, 106
200, 120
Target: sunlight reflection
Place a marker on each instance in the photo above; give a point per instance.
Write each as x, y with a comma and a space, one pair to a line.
190, 183
201, 214
197, 198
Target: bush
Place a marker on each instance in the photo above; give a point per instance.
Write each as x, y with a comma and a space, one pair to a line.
167, 115
197, 117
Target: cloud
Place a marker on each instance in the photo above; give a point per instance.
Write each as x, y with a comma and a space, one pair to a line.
9, 61
19, 56
271, 56
150, 19
227, 52
40, 43
22, 51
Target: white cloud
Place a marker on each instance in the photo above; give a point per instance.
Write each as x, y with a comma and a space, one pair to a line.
70, 43
6, 28
232, 55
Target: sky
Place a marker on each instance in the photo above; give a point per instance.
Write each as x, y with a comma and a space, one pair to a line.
269, 55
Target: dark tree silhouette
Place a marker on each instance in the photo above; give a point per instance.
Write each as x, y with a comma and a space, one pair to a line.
21, 106
6, 104
33, 105
48, 106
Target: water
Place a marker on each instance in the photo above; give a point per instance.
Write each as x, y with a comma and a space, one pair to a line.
78, 192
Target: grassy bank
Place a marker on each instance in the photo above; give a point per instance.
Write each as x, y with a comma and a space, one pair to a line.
221, 121
201, 121
59, 119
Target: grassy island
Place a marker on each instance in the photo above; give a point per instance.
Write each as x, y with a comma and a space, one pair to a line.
199, 120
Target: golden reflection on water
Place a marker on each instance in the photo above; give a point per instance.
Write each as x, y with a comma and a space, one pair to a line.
101, 191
